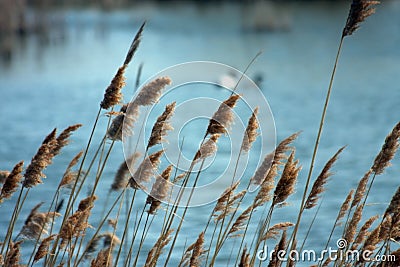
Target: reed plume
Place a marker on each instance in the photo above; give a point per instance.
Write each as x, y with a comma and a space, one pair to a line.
197, 252
273, 231
224, 198
3, 176
114, 132
37, 223
70, 177
156, 250
322, 179
223, 117
363, 232
145, 170
230, 206
359, 11
244, 258
113, 95
345, 206
263, 169
281, 246
110, 240
352, 226
388, 151
159, 190
394, 206
43, 249
287, 182
207, 149
12, 182
161, 126
103, 258
121, 178
63, 138
361, 188
151, 92
13, 256
241, 220
250, 134
44, 156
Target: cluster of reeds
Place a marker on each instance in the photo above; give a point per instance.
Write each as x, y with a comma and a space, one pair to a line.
66, 234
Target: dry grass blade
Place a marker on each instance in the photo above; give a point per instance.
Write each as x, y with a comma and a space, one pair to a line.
161, 126
43, 248
318, 186
42, 159
223, 117
122, 176
207, 149
13, 256
359, 11
12, 182
287, 182
388, 151
250, 134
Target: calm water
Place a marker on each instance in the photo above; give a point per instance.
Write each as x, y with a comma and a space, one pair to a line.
59, 80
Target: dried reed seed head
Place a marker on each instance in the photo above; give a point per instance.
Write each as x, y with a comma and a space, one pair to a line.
135, 44
43, 249
122, 176
281, 246
230, 205
3, 176
50, 137
388, 151
371, 242
287, 182
223, 117
351, 229
129, 120
151, 92
386, 227
359, 11
224, 198
43, 158
87, 203
12, 181
145, 170
244, 259
69, 177
159, 190
322, 179
361, 188
394, 206
103, 259
110, 240
241, 220
207, 149
113, 95
156, 250
37, 223
273, 231
92, 246
161, 126
63, 138
363, 232
250, 134
114, 132
13, 256
283, 147
345, 206
74, 226
198, 250
263, 169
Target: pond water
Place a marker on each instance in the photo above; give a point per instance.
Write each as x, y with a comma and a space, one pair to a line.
59, 80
